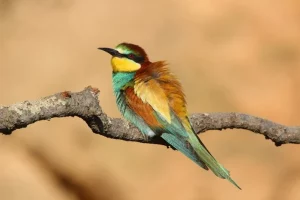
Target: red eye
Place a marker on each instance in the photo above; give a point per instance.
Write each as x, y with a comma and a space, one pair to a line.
131, 56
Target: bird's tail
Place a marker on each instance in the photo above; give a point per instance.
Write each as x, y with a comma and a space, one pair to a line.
193, 148
209, 160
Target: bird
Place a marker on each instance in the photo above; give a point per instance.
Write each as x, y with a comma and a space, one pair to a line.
151, 97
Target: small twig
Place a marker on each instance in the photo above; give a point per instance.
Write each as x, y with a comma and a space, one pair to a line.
85, 105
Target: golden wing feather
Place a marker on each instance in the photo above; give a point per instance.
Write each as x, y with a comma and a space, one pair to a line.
150, 92
157, 86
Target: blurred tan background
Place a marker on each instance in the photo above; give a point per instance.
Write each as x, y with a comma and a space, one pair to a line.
231, 55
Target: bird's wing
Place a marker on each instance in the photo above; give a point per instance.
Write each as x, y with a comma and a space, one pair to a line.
157, 98
160, 89
148, 89
142, 109
153, 98
173, 132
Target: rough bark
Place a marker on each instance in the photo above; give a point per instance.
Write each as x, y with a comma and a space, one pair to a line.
85, 105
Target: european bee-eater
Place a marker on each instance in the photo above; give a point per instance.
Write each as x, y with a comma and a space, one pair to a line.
149, 96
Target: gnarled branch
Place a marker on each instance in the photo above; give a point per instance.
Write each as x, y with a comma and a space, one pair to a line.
85, 105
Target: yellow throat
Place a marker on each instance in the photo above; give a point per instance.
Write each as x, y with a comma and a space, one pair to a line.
124, 65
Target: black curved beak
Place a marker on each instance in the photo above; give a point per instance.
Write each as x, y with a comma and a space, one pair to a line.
110, 51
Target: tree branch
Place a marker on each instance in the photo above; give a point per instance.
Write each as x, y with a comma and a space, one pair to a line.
85, 105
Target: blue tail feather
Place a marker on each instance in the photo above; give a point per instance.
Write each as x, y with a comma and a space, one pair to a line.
184, 147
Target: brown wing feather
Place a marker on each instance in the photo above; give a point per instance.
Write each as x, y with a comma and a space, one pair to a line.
157, 86
149, 90
142, 109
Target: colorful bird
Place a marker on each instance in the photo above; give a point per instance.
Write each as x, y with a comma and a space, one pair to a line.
150, 96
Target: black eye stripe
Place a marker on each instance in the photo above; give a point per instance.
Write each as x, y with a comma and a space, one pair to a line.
139, 59
135, 58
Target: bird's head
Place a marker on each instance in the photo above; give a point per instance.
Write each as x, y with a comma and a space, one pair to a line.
127, 57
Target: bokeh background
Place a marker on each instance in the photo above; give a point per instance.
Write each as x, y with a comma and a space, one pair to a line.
230, 55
